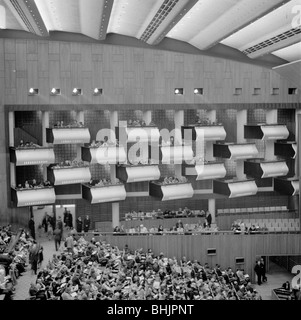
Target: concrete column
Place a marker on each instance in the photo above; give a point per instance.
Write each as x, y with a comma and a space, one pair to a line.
271, 118
297, 136
211, 115
45, 124
11, 128
179, 121
211, 208
115, 214
115, 205
80, 117
241, 120
147, 116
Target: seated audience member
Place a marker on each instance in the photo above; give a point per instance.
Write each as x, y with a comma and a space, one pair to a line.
143, 229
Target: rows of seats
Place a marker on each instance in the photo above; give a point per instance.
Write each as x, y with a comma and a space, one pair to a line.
273, 224
251, 210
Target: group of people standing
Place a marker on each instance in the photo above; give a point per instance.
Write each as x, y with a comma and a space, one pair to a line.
260, 271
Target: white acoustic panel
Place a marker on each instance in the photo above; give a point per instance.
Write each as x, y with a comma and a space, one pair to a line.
210, 171
276, 132
142, 173
176, 154
177, 191
242, 189
108, 155
71, 175
145, 134
294, 145
243, 151
210, 133
108, 194
274, 169
35, 197
27, 157
72, 135
295, 184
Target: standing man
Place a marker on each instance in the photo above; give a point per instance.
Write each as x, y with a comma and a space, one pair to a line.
79, 225
257, 270
59, 225
87, 223
208, 218
31, 226
57, 237
263, 270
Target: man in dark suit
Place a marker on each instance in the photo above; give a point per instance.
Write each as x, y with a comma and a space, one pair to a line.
208, 219
31, 226
87, 223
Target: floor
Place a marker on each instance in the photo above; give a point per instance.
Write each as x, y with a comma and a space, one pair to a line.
276, 275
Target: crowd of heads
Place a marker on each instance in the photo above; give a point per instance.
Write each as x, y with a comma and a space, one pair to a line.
99, 271
12, 259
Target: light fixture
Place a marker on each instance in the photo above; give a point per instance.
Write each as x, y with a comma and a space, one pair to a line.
198, 91
55, 91
179, 91
76, 92
33, 92
97, 92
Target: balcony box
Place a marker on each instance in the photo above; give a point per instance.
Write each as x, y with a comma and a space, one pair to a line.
235, 151
171, 154
137, 173
31, 156
204, 133
100, 194
146, 134
68, 175
288, 186
266, 131
170, 191
206, 171
67, 135
104, 155
259, 168
33, 197
286, 149
235, 188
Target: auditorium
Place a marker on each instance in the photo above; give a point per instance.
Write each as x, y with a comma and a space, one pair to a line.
149, 150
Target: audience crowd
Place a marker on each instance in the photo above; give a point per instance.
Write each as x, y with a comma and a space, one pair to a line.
90, 270
12, 259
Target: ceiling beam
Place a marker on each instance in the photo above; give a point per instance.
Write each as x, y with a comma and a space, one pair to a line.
28, 15
281, 41
174, 21
168, 14
105, 18
232, 21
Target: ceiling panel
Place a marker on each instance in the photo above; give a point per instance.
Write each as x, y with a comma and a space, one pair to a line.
270, 25
290, 53
131, 17
61, 15
8, 20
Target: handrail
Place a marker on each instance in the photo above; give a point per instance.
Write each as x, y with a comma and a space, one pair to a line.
221, 232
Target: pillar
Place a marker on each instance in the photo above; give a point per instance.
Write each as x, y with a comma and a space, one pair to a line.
209, 144
80, 117
11, 128
179, 121
115, 214
115, 205
45, 124
241, 120
147, 117
271, 118
211, 208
